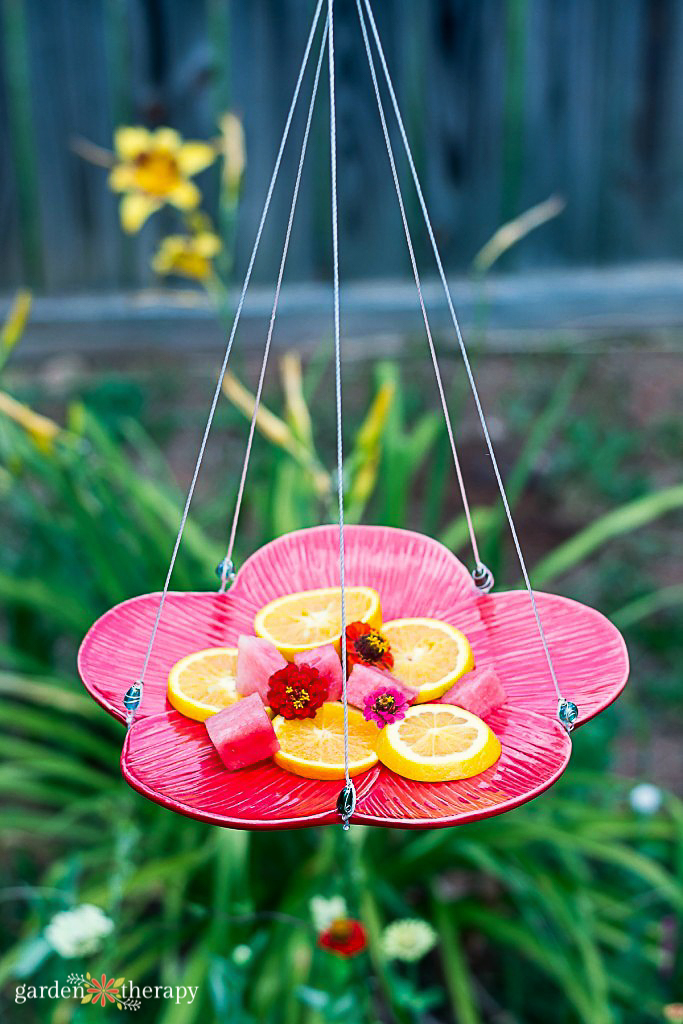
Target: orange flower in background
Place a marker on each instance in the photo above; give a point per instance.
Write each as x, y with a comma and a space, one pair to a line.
154, 168
367, 646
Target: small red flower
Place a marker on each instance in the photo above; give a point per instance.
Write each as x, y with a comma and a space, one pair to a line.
367, 646
297, 691
345, 937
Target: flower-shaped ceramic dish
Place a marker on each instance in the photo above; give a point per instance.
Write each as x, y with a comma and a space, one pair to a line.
170, 759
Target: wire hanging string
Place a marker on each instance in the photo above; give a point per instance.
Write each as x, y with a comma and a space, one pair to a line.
259, 390
416, 274
347, 798
133, 697
468, 368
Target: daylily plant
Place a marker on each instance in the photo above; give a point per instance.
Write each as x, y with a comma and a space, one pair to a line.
154, 168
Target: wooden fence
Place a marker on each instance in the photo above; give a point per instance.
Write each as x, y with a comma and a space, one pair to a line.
507, 101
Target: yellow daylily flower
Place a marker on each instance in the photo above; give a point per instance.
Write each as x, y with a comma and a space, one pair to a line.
154, 168
187, 255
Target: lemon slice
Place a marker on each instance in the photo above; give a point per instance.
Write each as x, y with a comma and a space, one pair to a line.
438, 743
314, 747
204, 682
311, 618
428, 654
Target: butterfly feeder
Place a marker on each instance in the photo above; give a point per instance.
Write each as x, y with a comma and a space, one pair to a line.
559, 661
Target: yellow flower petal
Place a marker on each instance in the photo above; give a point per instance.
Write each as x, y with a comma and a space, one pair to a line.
207, 244
122, 177
130, 141
234, 151
42, 430
13, 327
185, 195
135, 209
193, 157
166, 138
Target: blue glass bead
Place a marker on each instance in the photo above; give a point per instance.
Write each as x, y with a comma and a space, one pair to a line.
567, 712
133, 696
346, 804
226, 570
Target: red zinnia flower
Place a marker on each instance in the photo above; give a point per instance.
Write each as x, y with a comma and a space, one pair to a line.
297, 691
345, 937
367, 646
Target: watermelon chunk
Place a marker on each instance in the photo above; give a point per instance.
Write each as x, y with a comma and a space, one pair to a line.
480, 691
364, 680
326, 661
257, 660
242, 733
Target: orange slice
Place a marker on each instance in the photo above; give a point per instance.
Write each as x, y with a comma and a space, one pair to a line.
314, 747
311, 618
428, 654
204, 682
438, 743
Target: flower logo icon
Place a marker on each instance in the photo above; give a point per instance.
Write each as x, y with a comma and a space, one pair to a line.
103, 991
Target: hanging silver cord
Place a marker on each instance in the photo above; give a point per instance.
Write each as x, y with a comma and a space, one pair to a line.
416, 274
567, 711
347, 798
133, 696
226, 564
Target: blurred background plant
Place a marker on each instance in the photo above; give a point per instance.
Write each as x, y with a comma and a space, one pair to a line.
573, 902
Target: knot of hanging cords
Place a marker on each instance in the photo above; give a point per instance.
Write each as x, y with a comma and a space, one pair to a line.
133, 697
567, 712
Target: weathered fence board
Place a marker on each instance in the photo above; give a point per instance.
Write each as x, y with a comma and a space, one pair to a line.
507, 101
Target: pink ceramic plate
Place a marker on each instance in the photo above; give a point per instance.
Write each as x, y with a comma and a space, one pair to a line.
169, 758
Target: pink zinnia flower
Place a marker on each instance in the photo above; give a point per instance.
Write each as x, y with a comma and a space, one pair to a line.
384, 706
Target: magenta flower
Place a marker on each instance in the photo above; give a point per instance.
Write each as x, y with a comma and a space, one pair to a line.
384, 706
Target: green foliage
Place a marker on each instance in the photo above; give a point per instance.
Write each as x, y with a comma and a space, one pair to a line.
567, 903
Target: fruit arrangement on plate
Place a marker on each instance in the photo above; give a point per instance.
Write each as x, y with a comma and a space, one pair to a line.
416, 701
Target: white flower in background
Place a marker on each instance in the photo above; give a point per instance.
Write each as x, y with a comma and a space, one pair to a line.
241, 955
78, 932
645, 798
408, 940
326, 911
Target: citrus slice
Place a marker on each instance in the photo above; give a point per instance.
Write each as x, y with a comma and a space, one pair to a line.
428, 655
314, 747
204, 682
311, 618
438, 743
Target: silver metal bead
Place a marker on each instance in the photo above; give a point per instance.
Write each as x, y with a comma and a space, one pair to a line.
567, 712
483, 579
